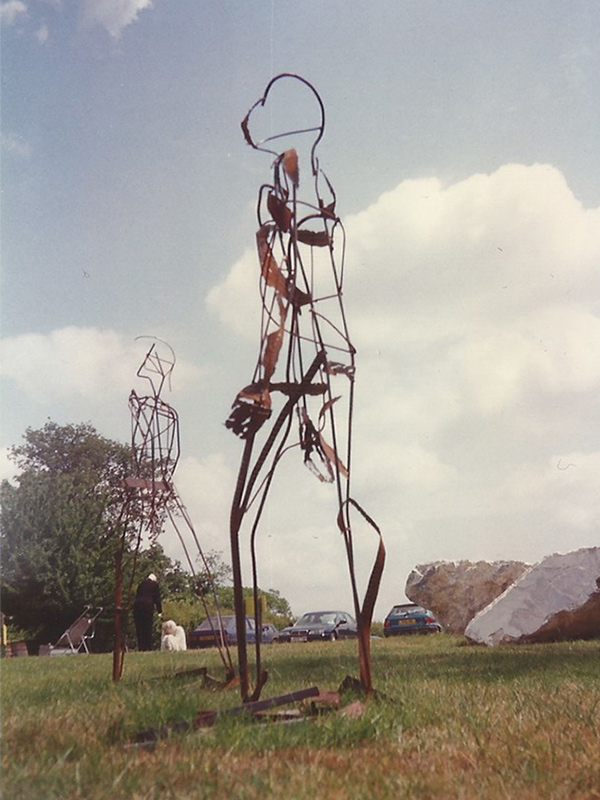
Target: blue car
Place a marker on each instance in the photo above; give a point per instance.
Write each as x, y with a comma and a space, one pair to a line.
410, 618
208, 634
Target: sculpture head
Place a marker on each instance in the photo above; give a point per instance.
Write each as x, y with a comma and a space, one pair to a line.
293, 111
158, 364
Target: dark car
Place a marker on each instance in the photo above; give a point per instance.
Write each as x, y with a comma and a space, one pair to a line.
318, 626
207, 634
410, 618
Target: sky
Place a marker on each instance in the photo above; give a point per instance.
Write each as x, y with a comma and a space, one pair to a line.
462, 142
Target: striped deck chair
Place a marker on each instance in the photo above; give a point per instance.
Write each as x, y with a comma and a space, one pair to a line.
75, 638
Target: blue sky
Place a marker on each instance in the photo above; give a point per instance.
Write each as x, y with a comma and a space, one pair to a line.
462, 143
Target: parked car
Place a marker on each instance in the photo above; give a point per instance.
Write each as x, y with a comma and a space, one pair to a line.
320, 625
270, 633
410, 618
207, 634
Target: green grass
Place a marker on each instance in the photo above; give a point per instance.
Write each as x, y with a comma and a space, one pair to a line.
452, 722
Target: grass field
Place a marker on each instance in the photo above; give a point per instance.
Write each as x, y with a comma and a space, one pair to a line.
453, 722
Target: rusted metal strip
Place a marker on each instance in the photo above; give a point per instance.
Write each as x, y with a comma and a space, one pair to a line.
365, 613
205, 719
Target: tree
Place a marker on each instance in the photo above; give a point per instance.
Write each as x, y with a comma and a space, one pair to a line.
58, 536
212, 571
188, 610
57, 528
174, 581
278, 609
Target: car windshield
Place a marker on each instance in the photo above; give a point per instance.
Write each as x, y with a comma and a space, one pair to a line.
405, 611
212, 624
318, 618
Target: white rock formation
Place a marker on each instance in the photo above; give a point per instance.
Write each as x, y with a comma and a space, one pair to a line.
456, 590
557, 599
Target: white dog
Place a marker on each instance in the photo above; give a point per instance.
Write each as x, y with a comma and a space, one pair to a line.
173, 636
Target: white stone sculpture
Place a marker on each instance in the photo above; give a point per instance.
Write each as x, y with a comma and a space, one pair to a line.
557, 599
456, 590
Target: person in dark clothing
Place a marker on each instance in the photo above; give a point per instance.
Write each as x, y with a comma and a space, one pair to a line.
147, 597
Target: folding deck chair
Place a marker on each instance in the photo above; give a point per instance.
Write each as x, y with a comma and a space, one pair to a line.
75, 638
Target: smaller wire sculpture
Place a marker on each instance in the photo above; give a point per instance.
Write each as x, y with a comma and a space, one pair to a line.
151, 496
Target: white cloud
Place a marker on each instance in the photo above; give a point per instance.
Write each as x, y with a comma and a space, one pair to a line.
205, 488
69, 362
429, 262
77, 363
16, 146
565, 486
235, 300
42, 34
548, 352
15, 11
11, 11
483, 291
113, 15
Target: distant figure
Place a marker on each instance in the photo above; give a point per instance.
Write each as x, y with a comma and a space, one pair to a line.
147, 598
173, 636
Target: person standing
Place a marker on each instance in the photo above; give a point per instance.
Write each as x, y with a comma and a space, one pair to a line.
147, 598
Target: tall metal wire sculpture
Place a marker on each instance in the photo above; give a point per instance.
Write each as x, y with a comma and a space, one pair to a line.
151, 496
305, 373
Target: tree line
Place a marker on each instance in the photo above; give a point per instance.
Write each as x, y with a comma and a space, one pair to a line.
58, 540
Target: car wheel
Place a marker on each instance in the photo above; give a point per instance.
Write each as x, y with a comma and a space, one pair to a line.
334, 636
